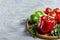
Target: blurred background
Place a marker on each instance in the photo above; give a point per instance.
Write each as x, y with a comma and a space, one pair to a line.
13, 16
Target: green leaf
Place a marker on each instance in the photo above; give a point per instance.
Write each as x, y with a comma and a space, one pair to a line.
56, 31
33, 30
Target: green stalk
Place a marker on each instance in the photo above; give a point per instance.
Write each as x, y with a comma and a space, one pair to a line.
48, 16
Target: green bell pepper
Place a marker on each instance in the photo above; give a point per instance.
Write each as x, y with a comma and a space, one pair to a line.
39, 13
34, 18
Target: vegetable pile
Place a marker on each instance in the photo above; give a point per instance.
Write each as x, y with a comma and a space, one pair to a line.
45, 22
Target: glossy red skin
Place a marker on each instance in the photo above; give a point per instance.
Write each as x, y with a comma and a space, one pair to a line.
58, 19
57, 11
54, 13
48, 10
52, 18
46, 26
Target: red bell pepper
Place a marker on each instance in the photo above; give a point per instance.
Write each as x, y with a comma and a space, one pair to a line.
46, 25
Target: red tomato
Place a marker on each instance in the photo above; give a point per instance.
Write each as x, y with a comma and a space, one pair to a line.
57, 11
48, 10
58, 19
54, 12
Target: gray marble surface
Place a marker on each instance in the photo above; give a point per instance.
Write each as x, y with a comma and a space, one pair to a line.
13, 16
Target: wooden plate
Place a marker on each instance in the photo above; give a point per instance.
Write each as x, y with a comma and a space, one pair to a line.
46, 36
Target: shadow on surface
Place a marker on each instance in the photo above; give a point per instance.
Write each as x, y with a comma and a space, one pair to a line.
25, 32
23, 22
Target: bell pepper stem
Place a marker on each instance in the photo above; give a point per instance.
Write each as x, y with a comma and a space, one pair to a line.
48, 16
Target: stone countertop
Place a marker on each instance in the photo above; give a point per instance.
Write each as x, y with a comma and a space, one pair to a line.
13, 16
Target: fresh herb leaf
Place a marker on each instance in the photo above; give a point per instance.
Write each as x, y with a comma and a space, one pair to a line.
33, 30
56, 31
